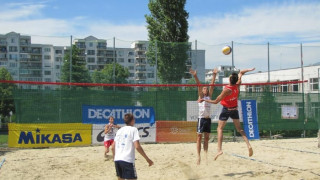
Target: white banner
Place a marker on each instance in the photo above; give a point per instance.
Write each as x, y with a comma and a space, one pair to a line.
215, 110
289, 112
147, 133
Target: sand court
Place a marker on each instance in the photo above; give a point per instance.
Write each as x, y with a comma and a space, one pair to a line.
272, 159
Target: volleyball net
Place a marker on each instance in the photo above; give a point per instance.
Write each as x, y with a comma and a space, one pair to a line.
170, 102
163, 112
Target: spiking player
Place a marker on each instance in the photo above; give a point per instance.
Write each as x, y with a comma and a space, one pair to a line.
229, 100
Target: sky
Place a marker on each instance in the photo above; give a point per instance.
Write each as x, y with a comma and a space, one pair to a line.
211, 22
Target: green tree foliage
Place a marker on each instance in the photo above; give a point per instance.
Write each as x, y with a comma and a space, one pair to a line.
79, 72
167, 31
106, 75
6, 89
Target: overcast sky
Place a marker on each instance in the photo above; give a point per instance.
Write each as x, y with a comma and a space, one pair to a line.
213, 23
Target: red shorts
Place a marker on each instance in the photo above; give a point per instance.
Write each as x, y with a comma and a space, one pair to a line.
108, 143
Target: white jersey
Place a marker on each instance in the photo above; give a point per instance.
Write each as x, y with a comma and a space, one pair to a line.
124, 147
111, 134
204, 108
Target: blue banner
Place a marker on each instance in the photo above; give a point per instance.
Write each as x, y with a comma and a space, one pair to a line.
250, 118
100, 114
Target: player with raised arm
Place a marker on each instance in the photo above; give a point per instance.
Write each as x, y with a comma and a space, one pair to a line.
229, 100
204, 119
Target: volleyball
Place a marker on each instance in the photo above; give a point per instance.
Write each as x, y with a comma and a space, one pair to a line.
226, 50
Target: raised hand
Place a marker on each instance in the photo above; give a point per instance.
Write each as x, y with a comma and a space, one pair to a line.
193, 72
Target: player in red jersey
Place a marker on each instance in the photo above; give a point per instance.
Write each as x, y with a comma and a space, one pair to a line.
229, 100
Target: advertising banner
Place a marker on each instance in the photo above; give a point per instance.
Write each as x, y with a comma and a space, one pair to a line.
289, 112
49, 135
250, 118
176, 131
215, 110
100, 114
147, 132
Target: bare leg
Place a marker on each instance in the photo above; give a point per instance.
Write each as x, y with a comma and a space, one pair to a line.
199, 138
221, 125
206, 144
236, 123
106, 152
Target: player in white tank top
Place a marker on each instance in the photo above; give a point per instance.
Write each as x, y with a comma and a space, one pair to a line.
204, 121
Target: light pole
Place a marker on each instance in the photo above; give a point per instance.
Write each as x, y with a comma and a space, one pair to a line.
70, 68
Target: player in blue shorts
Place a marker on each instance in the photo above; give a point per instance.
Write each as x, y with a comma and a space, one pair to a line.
125, 143
204, 119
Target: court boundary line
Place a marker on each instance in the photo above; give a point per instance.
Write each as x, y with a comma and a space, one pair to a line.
291, 149
265, 162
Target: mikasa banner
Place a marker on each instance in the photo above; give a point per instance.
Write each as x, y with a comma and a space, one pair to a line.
250, 118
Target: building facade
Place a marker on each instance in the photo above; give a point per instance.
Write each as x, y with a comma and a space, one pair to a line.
42, 62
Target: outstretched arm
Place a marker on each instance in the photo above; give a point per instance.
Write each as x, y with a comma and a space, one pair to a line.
223, 94
194, 73
141, 151
214, 74
242, 72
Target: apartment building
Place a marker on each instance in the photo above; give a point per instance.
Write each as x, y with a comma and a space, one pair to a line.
42, 62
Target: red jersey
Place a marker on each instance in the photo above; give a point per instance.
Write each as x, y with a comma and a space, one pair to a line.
232, 99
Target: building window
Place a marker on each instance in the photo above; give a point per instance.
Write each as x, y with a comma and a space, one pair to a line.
58, 59
120, 60
12, 40
131, 67
47, 72
257, 88
275, 88
47, 79
47, 50
90, 52
13, 49
58, 51
47, 57
91, 60
314, 84
90, 44
284, 87
130, 60
150, 75
131, 75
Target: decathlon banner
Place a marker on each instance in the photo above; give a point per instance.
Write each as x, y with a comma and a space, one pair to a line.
49, 135
100, 114
250, 118
147, 132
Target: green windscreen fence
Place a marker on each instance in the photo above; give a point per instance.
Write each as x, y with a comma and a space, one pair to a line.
169, 104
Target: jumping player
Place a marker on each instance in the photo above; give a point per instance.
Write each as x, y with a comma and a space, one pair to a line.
109, 134
204, 119
229, 100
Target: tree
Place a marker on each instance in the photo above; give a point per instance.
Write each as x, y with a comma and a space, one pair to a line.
168, 38
79, 72
6, 101
106, 75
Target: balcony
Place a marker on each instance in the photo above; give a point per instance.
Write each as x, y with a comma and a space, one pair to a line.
3, 43
141, 70
35, 52
102, 47
140, 63
141, 78
140, 56
24, 43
